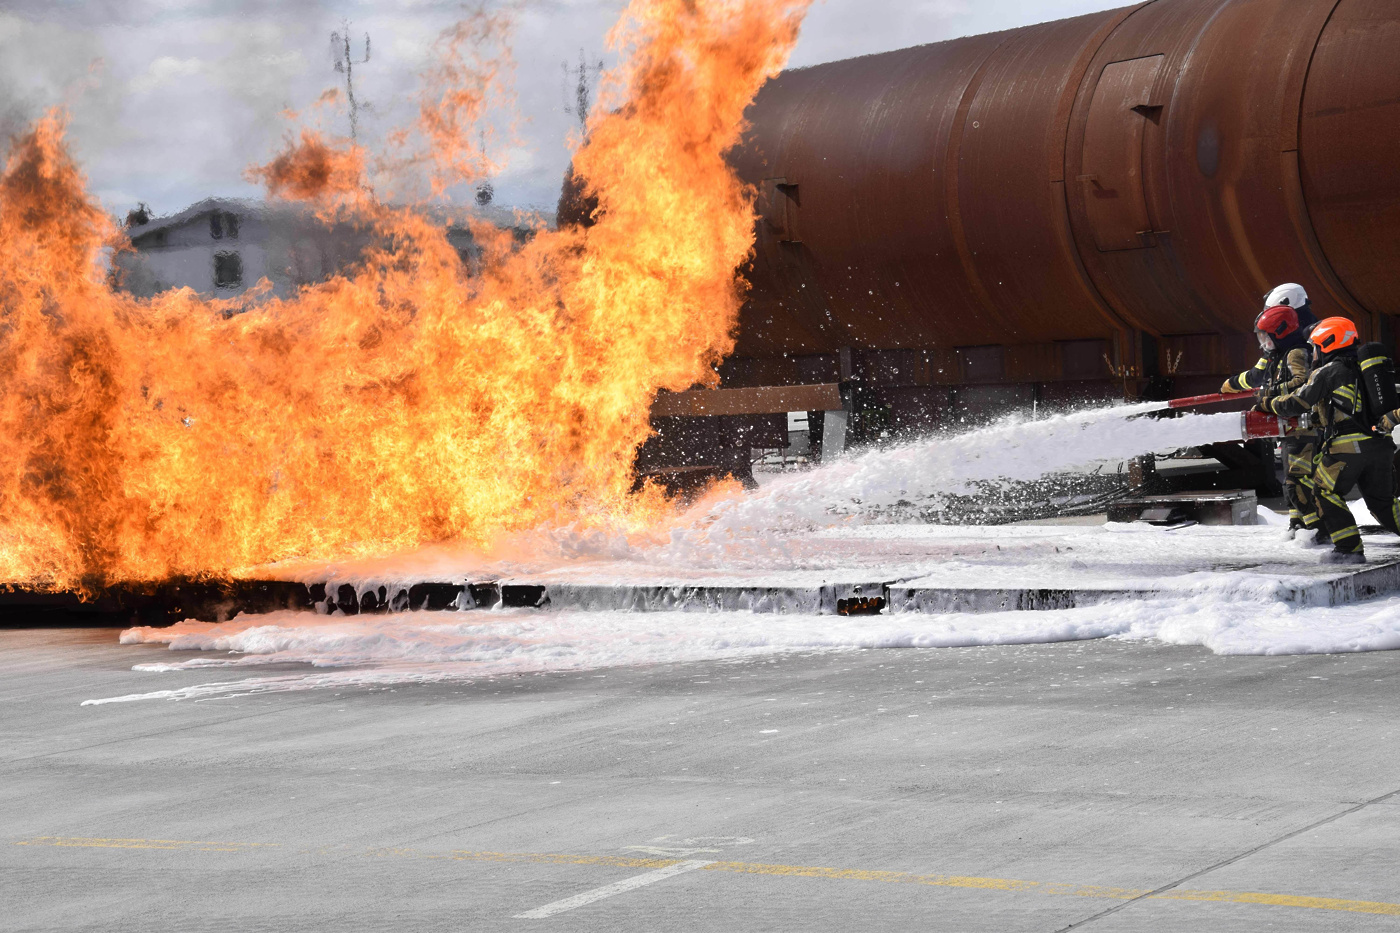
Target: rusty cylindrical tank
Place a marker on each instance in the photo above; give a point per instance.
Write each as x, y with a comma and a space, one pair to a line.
1099, 199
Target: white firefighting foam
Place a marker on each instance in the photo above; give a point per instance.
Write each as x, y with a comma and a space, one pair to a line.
931, 470
810, 527
427, 647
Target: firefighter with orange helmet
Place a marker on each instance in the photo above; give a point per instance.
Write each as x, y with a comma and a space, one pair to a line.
1282, 369
1351, 452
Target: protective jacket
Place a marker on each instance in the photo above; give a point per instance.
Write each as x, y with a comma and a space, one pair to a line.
1351, 454
1281, 371
1335, 396
1276, 373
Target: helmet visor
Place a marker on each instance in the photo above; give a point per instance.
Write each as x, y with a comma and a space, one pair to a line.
1266, 343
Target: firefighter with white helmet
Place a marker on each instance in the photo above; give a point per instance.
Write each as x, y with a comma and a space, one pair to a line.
1292, 295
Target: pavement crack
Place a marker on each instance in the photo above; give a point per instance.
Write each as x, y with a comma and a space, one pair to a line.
1155, 892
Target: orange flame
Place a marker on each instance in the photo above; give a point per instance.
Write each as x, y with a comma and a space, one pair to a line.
402, 404
312, 170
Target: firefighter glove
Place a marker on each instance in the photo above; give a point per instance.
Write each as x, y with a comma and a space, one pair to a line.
1389, 421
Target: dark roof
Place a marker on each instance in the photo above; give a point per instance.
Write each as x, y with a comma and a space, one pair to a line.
194, 211
500, 216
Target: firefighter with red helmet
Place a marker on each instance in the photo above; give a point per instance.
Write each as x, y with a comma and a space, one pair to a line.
1351, 452
1282, 369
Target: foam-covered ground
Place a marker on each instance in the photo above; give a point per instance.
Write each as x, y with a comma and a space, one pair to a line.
423, 647
1219, 587
1220, 590
1251, 561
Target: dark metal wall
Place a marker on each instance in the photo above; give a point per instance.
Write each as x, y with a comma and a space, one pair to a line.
1127, 183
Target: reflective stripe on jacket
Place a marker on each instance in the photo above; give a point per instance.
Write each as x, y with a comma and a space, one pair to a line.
1274, 375
1333, 394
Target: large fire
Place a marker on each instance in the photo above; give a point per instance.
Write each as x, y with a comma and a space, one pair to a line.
403, 404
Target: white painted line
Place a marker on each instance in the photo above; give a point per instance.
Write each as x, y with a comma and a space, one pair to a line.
617, 887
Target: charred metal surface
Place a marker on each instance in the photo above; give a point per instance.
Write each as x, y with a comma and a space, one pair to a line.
168, 603
860, 606
683, 447
417, 597
687, 482
156, 603
171, 603
762, 400
1229, 507
524, 596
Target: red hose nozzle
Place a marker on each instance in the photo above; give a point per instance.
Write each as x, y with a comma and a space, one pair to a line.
1256, 425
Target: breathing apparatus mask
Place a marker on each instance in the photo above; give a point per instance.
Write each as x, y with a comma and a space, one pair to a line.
1273, 324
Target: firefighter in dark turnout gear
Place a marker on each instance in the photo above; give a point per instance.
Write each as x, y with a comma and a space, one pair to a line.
1351, 453
1282, 369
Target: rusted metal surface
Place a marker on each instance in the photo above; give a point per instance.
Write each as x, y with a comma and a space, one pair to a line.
1349, 149
1215, 139
764, 400
1138, 177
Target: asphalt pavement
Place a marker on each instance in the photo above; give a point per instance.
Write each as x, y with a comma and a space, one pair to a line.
1100, 785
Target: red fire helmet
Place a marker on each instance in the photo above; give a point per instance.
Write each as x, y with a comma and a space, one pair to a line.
1278, 322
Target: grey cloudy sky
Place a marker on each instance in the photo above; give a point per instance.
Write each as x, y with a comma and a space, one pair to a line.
171, 101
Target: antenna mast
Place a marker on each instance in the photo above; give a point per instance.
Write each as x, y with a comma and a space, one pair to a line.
585, 79
345, 64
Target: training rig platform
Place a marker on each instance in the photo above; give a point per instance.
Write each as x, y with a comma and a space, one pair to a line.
171, 602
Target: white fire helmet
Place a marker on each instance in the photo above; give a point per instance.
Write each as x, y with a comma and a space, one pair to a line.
1292, 294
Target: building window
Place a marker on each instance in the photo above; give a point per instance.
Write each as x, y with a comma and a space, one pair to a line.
149, 240
228, 270
223, 224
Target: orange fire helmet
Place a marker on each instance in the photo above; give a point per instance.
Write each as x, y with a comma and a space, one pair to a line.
1333, 334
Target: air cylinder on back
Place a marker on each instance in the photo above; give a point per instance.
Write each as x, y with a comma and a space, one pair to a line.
1378, 379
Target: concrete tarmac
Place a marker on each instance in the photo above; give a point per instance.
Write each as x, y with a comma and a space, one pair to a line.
1107, 786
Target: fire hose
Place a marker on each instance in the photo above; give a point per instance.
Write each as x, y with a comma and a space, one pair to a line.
1254, 425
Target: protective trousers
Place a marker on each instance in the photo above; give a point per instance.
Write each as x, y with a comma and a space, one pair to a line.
1298, 462
1369, 469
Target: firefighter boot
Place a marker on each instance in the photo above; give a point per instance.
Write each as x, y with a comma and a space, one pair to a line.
1346, 548
1319, 538
1339, 556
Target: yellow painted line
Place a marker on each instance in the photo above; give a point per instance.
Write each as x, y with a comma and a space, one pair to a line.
878, 876
1284, 900
946, 881
95, 842
942, 881
1071, 890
